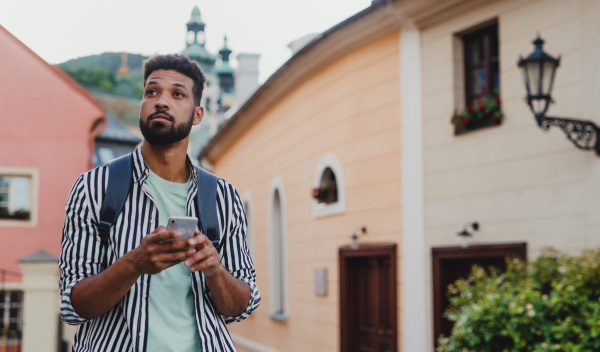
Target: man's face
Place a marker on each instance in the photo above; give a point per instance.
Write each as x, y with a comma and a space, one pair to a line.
167, 110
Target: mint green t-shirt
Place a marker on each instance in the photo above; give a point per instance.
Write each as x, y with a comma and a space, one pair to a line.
171, 316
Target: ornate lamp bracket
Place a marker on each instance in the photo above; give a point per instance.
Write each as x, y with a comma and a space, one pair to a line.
583, 134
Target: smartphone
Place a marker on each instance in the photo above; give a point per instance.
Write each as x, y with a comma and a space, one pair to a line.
184, 224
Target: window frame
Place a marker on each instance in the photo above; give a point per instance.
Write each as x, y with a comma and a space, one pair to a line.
249, 210
484, 33
33, 175
278, 264
7, 304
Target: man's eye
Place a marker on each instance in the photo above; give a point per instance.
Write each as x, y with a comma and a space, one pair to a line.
150, 92
178, 94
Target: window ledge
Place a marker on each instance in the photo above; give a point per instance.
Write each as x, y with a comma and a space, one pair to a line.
279, 317
321, 210
17, 223
476, 126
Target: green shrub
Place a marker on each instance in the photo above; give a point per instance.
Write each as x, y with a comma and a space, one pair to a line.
551, 304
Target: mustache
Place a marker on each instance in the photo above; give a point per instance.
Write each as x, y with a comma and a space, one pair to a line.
161, 112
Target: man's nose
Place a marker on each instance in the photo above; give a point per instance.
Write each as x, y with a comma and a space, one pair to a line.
161, 103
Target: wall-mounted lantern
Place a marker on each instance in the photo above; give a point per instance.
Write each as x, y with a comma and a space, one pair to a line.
539, 70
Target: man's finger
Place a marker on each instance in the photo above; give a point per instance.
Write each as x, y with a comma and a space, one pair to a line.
160, 237
166, 235
198, 239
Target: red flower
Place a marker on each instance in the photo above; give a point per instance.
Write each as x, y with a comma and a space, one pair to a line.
315, 193
494, 119
469, 109
497, 100
464, 121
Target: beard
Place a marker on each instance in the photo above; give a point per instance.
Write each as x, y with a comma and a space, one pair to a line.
164, 134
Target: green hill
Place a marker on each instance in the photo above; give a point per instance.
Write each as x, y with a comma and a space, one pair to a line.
109, 60
99, 74
118, 95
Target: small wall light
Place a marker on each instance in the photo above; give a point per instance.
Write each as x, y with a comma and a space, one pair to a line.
354, 236
465, 234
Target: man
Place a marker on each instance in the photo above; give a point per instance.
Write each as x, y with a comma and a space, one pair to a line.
156, 294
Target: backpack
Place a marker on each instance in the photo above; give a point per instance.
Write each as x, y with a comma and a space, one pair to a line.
119, 187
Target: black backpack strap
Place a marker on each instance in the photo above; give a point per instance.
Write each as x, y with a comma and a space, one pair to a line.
117, 190
206, 202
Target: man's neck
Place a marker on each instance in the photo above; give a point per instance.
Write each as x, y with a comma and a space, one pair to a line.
168, 162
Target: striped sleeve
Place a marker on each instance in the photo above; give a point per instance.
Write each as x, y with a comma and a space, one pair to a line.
234, 251
81, 254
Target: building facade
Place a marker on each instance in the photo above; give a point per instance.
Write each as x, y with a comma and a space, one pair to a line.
47, 140
367, 126
316, 156
526, 188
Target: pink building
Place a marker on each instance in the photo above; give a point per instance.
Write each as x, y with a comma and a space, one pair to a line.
47, 129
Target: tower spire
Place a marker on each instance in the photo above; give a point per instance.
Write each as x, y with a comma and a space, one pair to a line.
224, 71
196, 39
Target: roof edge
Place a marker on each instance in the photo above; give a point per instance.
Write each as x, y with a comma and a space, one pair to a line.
283, 80
57, 71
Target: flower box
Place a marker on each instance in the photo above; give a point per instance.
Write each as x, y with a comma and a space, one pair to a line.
485, 112
326, 194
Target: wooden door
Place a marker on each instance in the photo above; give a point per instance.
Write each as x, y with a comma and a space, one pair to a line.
368, 299
453, 263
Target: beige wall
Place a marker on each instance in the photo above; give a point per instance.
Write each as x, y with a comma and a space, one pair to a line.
350, 109
519, 182
40, 306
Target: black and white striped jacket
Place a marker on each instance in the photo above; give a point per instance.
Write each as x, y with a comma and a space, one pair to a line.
125, 326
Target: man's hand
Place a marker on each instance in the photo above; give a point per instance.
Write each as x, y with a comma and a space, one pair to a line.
160, 250
206, 258
96, 295
230, 295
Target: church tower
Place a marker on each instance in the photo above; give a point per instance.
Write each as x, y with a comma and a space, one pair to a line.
195, 42
224, 71
225, 75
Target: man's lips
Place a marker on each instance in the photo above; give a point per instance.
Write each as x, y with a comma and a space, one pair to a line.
160, 116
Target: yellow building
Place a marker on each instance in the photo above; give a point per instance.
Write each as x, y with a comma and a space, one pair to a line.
331, 115
368, 104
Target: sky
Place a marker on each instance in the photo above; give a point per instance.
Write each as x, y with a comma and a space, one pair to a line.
60, 30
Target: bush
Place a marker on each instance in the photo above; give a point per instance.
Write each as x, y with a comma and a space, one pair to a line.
551, 304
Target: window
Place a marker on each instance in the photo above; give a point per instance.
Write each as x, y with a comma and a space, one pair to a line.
277, 249
11, 315
478, 76
104, 155
482, 75
247, 203
328, 192
16, 197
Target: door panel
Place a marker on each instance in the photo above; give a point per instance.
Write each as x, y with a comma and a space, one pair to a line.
368, 291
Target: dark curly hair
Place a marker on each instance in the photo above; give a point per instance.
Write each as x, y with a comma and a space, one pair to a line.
181, 64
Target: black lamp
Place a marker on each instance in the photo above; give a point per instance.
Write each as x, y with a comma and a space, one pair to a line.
539, 70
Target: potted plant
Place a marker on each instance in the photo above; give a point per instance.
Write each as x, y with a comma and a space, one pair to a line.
326, 194
484, 112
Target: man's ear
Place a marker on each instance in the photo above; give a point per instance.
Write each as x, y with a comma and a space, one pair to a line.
198, 114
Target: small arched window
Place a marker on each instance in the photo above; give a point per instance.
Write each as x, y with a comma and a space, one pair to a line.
247, 203
278, 253
327, 191
329, 197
